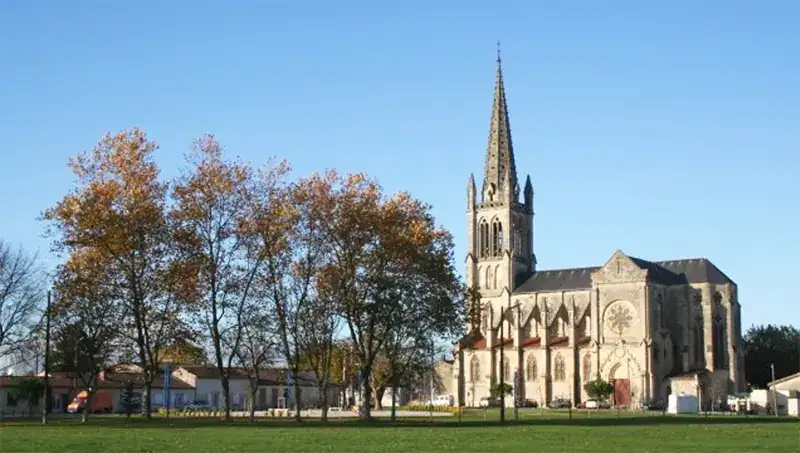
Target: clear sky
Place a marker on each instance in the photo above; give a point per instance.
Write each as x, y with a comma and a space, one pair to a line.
667, 129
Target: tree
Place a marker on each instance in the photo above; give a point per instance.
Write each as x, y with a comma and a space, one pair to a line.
87, 309
501, 387
320, 323
219, 259
128, 399
598, 389
770, 344
292, 240
389, 260
182, 351
31, 390
256, 349
117, 209
407, 359
21, 289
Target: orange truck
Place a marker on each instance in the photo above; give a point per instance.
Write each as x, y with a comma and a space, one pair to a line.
101, 402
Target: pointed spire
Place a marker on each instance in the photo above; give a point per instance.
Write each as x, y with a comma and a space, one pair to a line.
528, 192
500, 150
471, 193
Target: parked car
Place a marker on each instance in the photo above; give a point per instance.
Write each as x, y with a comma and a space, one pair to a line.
559, 403
597, 404
199, 406
653, 405
488, 402
529, 403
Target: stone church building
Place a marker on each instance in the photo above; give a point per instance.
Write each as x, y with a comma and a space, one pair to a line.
648, 327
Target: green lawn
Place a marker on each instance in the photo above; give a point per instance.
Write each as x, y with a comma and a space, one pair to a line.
534, 432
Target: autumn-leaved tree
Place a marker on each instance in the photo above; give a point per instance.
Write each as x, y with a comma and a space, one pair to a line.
117, 210
390, 260
293, 243
219, 260
87, 307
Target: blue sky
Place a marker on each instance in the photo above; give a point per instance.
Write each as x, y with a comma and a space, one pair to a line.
665, 129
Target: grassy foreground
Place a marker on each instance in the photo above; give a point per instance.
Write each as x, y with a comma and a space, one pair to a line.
535, 432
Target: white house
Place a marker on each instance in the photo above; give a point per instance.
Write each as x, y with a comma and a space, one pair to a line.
271, 393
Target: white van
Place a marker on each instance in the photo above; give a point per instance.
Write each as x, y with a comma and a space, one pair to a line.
444, 400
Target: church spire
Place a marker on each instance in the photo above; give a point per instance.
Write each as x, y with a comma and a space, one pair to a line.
500, 167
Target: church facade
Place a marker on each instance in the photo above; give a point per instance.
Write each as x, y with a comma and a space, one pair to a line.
647, 327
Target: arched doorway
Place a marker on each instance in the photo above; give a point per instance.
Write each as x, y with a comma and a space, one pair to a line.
620, 379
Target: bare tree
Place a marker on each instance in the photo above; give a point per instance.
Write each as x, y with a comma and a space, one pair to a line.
21, 290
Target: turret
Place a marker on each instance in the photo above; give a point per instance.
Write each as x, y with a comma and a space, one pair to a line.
528, 194
471, 193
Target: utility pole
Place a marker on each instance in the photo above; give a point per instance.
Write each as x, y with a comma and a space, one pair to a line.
774, 396
47, 397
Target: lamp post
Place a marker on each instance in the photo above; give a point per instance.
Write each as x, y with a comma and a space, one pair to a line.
48, 400
774, 396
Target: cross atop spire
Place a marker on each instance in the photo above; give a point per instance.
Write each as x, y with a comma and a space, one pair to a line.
500, 169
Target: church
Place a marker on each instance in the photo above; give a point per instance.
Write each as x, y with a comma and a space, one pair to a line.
650, 328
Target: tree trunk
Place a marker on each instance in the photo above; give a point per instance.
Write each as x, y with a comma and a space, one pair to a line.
147, 403
253, 396
324, 390
87, 407
297, 401
394, 402
379, 392
226, 395
366, 395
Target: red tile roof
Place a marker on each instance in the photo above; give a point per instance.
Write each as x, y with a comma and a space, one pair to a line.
503, 342
556, 341
531, 342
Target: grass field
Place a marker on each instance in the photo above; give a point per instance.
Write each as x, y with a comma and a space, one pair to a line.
534, 432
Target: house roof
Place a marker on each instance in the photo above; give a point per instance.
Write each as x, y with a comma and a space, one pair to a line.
272, 376
784, 379
105, 381
673, 272
119, 380
212, 372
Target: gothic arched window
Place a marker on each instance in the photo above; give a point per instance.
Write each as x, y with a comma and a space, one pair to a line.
698, 340
719, 343
497, 238
587, 368
530, 368
506, 369
475, 370
483, 239
659, 312
560, 369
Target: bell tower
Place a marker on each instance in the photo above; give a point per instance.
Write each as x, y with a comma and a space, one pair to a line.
500, 226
